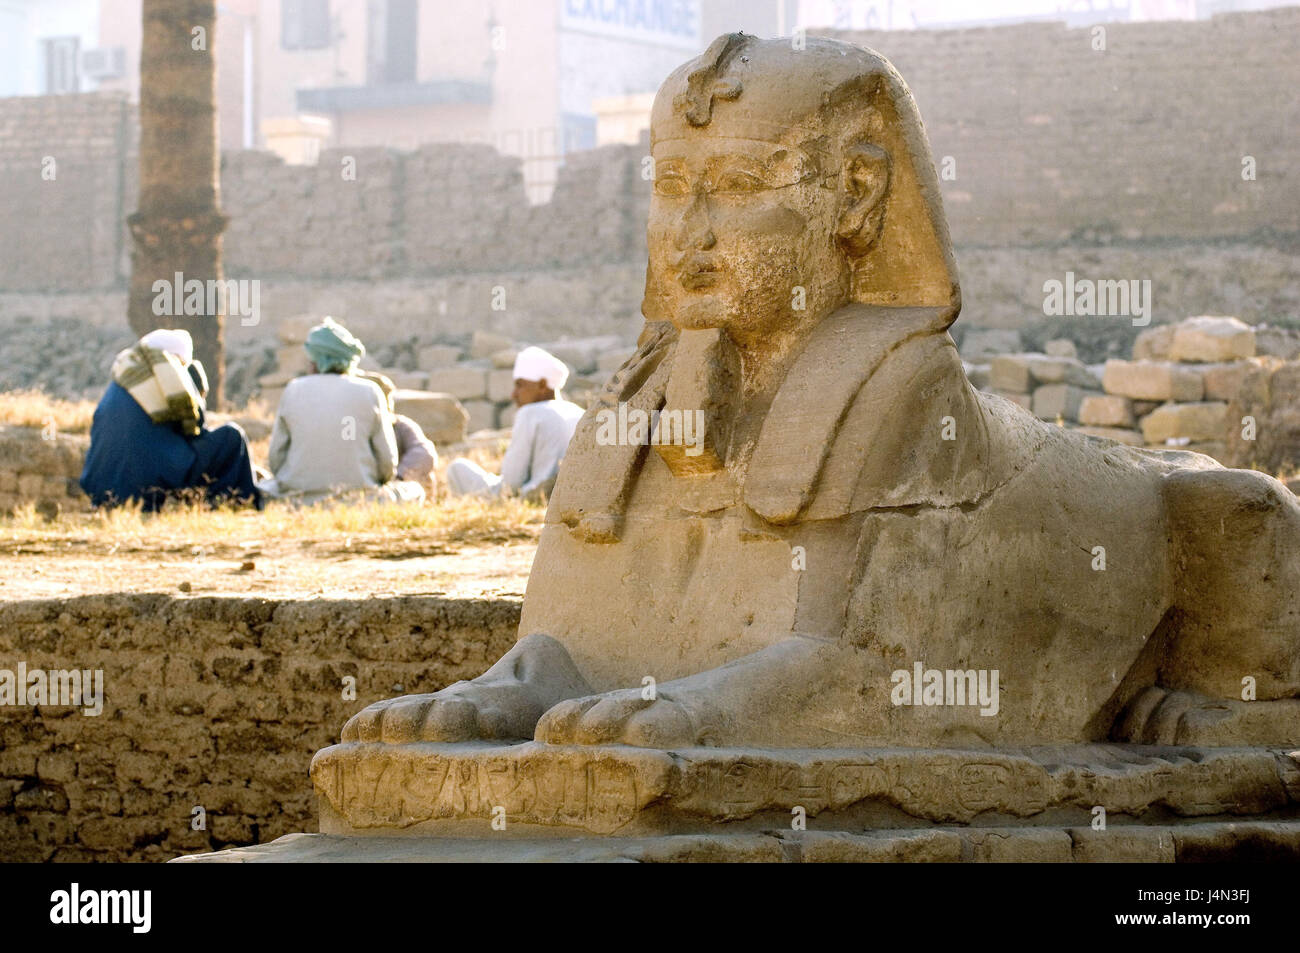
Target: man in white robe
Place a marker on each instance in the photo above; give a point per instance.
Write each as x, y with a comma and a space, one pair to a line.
543, 428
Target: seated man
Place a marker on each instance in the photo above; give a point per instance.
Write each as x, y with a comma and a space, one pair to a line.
417, 457
147, 440
333, 433
543, 428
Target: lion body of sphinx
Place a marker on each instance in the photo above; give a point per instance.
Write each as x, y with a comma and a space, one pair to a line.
1061, 561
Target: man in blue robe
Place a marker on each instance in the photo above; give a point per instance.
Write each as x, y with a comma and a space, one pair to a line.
147, 439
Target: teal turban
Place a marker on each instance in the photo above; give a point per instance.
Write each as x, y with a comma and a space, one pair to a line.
333, 348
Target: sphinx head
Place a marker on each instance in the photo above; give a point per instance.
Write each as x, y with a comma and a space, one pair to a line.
789, 182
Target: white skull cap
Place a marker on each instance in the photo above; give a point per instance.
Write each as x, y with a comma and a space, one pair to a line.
534, 364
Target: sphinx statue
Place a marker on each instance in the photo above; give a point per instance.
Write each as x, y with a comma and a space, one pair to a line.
864, 589
857, 509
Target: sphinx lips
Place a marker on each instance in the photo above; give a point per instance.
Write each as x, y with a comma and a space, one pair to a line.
694, 279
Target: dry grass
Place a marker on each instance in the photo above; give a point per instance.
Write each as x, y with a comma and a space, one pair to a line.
34, 408
358, 528
354, 526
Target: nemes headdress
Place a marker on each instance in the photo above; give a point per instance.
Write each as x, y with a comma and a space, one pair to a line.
824, 98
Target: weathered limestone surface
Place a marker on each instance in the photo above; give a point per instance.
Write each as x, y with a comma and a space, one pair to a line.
632, 791
712, 640
1163, 804
1131, 438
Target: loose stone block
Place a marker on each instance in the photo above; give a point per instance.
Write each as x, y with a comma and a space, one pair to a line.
1061, 347
483, 344
1206, 420
436, 356
1278, 342
505, 358
1020, 372
501, 384
1153, 344
440, 416
1152, 380
1212, 339
1009, 374
462, 382
1061, 370
408, 380
1239, 380
1106, 410
1058, 400
482, 415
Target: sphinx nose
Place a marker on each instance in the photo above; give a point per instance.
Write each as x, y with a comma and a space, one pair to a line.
696, 232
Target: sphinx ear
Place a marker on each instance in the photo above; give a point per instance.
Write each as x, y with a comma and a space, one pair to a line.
866, 180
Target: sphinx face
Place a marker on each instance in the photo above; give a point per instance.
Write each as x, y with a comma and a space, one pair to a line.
741, 237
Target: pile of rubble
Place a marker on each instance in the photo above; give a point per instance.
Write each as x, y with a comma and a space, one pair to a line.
1052, 385
1214, 385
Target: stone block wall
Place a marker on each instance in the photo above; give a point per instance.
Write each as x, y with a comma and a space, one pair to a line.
218, 703
41, 468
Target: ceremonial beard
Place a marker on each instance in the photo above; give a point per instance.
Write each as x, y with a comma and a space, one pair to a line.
705, 380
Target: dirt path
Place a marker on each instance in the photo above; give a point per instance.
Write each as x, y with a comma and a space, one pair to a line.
42, 568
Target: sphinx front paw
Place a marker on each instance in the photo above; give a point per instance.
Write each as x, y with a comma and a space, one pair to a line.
619, 717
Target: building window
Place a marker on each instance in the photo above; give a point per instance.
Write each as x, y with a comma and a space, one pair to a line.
304, 24
392, 41
61, 64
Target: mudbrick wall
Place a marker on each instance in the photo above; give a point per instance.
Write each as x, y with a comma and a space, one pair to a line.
209, 702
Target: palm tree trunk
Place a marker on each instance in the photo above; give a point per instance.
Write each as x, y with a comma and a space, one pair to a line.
177, 228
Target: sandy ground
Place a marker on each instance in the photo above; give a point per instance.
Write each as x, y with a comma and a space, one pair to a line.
37, 568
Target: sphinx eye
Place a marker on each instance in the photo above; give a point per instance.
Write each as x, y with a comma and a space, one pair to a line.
736, 181
671, 185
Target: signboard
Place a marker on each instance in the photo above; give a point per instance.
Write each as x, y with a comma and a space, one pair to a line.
661, 22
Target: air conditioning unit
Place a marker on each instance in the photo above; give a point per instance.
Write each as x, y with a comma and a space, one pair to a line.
105, 63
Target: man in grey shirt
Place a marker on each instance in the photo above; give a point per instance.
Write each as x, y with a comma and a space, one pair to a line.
333, 432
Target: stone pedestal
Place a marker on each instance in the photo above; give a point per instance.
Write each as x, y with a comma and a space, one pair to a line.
535, 802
